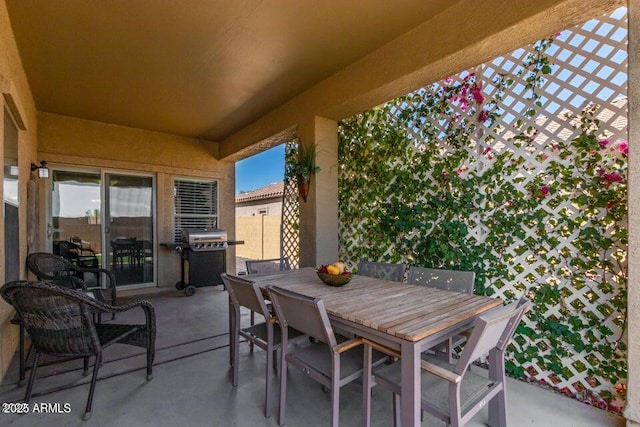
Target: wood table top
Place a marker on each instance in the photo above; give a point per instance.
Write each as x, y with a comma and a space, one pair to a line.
409, 312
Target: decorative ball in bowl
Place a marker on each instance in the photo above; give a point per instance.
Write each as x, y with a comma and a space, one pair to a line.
329, 276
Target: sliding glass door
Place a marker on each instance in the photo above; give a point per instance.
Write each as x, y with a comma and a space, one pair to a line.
129, 227
106, 219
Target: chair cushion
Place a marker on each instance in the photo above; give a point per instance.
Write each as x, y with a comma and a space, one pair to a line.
435, 390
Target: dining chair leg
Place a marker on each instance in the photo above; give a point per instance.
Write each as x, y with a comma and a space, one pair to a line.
252, 317
335, 391
85, 366
497, 405
269, 379
94, 377
231, 329
283, 388
32, 377
236, 357
397, 422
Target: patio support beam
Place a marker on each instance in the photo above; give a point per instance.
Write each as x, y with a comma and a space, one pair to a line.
632, 410
464, 35
319, 215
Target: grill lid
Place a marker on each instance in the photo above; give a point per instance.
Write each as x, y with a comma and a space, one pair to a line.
205, 239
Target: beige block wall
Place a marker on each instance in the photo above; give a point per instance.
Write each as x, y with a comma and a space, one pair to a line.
71, 142
15, 88
261, 235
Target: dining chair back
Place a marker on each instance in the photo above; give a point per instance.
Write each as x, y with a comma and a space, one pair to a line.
382, 270
60, 323
454, 393
245, 293
332, 360
267, 265
451, 280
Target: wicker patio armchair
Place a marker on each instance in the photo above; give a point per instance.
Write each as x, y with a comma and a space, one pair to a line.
60, 323
56, 268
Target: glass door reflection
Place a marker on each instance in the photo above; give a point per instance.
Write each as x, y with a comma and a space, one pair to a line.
75, 218
129, 230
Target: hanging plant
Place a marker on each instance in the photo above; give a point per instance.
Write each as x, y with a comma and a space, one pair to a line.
301, 168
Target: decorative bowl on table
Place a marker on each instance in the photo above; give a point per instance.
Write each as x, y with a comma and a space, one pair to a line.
333, 279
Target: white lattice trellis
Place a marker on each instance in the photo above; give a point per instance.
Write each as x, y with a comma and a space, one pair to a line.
586, 75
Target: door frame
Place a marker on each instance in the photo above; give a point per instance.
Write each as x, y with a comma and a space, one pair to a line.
103, 213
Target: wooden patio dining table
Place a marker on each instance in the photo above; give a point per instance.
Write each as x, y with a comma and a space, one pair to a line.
407, 318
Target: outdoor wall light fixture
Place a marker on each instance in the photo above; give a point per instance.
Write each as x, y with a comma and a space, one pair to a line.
43, 170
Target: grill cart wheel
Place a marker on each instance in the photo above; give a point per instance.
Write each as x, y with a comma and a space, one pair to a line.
190, 290
180, 285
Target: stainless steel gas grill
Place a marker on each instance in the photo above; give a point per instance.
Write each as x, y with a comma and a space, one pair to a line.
204, 252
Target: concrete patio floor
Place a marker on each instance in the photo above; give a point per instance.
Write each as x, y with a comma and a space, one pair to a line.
191, 385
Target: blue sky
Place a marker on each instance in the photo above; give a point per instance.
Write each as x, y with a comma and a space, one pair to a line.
260, 170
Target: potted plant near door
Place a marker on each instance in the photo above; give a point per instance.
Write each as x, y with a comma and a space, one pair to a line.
302, 168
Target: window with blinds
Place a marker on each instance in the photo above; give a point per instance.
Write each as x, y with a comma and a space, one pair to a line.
195, 205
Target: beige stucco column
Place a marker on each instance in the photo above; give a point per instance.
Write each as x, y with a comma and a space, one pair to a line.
632, 410
319, 215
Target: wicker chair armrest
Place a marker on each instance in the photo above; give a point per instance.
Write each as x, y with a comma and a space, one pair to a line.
109, 273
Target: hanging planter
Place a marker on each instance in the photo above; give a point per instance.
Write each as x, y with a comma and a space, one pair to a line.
302, 169
304, 183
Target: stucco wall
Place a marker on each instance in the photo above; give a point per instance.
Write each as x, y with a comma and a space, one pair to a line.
66, 141
13, 85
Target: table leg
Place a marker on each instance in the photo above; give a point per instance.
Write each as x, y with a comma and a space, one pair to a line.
410, 384
232, 326
366, 386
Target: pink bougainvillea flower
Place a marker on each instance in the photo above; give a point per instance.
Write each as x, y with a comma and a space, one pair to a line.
483, 116
601, 171
613, 177
544, 191
486, 150
609, 206
448, 80
603, 143
476, 94
623, 147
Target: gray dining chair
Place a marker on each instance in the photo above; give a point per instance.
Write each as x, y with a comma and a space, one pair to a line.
381, 270
454, 393
267, 265
244, 293
332, 360
449, 280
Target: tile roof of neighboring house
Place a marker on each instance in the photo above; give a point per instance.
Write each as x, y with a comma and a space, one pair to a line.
272, 190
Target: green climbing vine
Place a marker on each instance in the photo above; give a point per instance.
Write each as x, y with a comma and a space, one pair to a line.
438, 178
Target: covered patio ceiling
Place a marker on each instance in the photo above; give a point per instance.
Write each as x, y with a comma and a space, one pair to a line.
200, 68
238, 72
